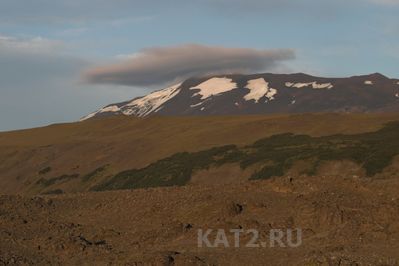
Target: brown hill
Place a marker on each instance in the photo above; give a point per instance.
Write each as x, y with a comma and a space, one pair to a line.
77, 156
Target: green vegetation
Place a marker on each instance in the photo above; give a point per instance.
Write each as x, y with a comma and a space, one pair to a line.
373, 151
45, 170
63, 178
174, 170
53, 192
94, 173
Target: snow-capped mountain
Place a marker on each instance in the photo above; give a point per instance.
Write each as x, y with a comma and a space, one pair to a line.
264, 94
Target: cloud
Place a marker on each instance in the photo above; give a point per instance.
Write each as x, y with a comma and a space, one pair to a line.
153, 66
34, 60
292, 4
29, 45
78, 11
40, 84
385, 2
121, 11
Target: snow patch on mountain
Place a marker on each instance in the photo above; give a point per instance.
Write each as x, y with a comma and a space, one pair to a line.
150, 103
270, 94
214, 86
141, 106
322, 86
314, 85
258, 89
195, 105
368, 82
88, 116
112, 108
107, 109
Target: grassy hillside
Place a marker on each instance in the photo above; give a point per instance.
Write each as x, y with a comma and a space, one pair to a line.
79, 156
277, 154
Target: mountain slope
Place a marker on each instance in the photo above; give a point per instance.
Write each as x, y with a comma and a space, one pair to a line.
76, 157
369, 155
264, 94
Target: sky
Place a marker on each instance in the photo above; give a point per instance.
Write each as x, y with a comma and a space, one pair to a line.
62, 59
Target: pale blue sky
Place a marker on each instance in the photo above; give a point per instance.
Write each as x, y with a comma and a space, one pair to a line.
46, 45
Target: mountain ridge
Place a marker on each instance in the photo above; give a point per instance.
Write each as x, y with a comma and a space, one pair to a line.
266, 93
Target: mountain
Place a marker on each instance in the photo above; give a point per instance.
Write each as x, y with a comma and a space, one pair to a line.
264, 94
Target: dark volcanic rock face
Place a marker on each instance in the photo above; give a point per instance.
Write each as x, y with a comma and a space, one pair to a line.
264, 94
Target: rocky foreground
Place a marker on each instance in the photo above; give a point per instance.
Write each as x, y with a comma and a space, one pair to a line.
344, 221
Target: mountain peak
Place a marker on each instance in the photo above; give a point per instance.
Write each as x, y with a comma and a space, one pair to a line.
377, 76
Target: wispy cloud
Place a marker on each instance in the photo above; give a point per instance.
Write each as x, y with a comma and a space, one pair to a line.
385, 2
40, 84
29, 45
122, 11
160, 65
79, 11
71, 32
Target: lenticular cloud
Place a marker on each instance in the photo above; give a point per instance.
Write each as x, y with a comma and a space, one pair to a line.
153, 66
